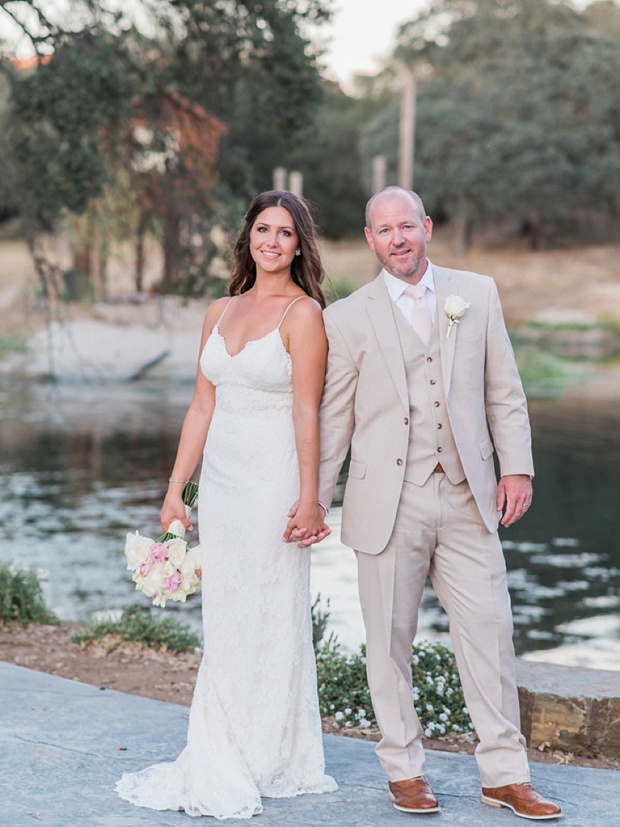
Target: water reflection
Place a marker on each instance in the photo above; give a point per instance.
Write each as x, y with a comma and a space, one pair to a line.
81, 465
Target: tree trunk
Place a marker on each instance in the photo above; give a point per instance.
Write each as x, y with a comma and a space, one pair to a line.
143, 223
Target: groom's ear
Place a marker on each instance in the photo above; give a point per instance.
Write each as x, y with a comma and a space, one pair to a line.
369, 238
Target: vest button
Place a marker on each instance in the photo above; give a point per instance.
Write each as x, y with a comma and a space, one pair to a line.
406, 420
437, 404
439, 425
399, 461
433, 381
439, 450
429, 358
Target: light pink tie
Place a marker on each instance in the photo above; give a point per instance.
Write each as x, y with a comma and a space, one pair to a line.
421, 319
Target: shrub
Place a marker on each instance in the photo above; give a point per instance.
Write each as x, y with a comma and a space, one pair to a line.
437, 691
21, 598
139, 625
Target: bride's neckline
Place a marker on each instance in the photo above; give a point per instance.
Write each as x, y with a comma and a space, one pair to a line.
258, 338
230, 355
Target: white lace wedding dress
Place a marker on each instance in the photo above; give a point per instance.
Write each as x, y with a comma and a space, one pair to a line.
254, 725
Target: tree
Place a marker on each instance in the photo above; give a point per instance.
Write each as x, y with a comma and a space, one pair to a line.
247, 64
252, 65
518, 117
329, 157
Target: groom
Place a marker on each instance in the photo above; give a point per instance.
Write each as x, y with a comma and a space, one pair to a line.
420, 378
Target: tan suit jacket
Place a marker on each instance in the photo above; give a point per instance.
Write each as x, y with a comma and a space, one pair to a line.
365, 403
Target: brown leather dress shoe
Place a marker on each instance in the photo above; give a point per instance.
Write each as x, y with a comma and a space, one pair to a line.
522, 799
413, 796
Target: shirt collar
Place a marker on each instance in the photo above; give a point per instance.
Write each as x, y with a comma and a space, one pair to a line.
396, 287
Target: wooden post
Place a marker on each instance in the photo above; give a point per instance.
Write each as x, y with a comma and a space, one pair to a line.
407, 130
279, 178
296, 183
379, 168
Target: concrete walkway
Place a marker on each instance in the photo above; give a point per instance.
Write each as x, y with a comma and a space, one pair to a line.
63, 744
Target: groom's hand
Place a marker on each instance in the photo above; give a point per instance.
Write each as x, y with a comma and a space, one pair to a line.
514, 497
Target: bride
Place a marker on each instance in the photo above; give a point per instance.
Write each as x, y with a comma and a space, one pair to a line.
254, 726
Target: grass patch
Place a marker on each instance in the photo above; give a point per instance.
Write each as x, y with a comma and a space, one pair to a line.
140, 626
21, 598
15, 343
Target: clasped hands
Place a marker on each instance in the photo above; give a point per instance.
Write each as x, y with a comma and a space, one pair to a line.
306, 525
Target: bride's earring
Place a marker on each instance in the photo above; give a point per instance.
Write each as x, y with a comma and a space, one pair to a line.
298, 252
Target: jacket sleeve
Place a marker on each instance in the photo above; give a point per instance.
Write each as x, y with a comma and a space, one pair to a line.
506, 406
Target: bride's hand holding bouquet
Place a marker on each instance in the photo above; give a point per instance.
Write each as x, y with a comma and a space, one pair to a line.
167, 568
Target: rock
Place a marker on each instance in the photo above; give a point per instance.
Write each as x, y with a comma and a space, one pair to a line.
569, 708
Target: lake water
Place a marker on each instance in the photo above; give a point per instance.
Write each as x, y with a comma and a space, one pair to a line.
81, 465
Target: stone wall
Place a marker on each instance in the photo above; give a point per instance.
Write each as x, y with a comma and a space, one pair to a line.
570, 708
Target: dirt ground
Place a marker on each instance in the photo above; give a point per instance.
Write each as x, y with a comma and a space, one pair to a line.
579, 279
164, 676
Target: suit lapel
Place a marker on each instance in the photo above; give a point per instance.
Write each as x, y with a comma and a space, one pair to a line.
381, 313
445, 286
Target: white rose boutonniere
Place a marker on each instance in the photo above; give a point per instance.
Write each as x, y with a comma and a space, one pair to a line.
454, 307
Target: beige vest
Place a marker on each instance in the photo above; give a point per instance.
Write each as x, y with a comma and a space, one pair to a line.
431, 440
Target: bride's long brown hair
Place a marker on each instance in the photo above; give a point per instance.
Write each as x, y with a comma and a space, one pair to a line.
306, 268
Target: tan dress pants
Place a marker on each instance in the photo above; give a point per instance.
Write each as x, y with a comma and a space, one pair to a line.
439, 532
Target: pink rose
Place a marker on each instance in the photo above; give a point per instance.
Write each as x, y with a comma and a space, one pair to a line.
145, 569
173, 582
158, 552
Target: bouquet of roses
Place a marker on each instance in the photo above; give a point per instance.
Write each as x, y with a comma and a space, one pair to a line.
166, 568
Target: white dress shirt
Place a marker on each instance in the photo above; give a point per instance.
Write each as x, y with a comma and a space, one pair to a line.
396, 288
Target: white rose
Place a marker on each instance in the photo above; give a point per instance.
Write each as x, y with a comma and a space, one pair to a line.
137, 550
177, 552
455, 306
154, 581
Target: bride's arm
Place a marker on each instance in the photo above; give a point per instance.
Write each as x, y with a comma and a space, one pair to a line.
193, 433
304, 337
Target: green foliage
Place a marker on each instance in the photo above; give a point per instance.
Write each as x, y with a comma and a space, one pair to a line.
320, 617
21, 598
517, 116
337, 288
16, 343
437, 691
329, 156
252, 65
59, 114
140, 626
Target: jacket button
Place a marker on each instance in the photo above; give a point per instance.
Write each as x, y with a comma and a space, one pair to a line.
406, 420
399, 461
439, 450
437, 404
439, 425
429, 358
433, 381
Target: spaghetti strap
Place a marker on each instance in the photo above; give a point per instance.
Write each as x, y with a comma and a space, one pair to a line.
288, 308
217, 324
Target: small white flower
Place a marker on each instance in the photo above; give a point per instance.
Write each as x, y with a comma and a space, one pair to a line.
454, 308
364, 723
339, 716
348, 711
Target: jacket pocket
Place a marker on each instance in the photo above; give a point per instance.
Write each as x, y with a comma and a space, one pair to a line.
486, 448
357, 469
